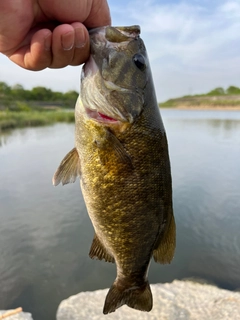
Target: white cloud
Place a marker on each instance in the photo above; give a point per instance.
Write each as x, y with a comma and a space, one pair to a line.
196, 43
230, 7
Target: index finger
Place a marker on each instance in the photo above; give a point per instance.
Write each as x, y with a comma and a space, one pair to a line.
99, 15
92, 13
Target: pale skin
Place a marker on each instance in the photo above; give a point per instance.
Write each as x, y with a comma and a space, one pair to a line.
39, 34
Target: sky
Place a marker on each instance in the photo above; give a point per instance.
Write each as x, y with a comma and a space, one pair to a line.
193, 47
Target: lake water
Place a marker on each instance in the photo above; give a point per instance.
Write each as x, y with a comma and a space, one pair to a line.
45, 232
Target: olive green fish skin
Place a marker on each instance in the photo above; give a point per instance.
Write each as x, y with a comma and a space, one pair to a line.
125, 169
127, 206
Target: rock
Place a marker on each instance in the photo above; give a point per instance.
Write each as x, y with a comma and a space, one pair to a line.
171, 301
18, 316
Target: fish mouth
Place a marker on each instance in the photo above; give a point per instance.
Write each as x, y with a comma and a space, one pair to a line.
100, 117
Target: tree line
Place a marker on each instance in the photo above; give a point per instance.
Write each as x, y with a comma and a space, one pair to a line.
9, 95
232, 90
219, 91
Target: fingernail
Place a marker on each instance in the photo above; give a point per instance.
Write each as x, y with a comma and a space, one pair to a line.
80, 38
48, 42
68, 40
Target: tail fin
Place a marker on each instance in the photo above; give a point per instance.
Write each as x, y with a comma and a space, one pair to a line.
139, 298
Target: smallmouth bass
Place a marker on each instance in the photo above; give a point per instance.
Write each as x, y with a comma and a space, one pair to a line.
121, 156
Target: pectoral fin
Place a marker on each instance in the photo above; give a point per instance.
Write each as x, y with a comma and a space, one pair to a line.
109, 140
165, 246
120, 151
99, 251
68, 169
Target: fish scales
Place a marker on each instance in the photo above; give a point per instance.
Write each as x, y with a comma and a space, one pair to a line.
123, 163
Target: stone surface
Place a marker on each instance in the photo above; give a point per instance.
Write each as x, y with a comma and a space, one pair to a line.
185, 300
18, 316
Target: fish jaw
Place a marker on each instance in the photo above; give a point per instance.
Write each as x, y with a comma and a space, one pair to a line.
103, 89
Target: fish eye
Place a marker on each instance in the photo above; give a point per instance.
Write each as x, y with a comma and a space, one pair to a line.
139, 61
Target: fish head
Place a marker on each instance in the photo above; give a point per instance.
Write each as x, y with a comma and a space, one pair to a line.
114, 79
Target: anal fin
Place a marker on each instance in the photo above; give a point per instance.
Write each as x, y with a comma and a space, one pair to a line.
98, 251
165, 247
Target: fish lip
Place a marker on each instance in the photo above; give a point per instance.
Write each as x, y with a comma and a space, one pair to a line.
130, 31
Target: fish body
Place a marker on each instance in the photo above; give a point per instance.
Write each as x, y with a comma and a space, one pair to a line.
121, 156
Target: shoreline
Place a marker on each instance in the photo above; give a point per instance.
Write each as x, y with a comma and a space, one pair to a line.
12, 119
202, 108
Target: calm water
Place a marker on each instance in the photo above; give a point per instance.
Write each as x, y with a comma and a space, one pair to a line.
45, 233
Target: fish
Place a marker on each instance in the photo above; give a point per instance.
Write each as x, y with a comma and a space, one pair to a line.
121, 156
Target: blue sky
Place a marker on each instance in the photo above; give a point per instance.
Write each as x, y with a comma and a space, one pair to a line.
193, 46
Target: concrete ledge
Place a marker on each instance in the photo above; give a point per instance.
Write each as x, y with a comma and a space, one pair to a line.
185, 300
18, 316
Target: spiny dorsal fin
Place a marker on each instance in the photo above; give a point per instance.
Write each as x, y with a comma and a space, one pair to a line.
68, 169
165, 247
99, 251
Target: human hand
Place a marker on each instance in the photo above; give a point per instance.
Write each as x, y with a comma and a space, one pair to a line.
36, 34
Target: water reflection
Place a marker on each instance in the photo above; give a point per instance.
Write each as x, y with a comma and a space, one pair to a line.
45, 233
4, 138
225, 128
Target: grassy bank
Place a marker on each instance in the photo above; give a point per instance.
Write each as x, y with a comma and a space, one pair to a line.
11, 119
203, 102
218, 98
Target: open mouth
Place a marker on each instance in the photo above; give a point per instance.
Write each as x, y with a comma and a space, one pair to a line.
100, 117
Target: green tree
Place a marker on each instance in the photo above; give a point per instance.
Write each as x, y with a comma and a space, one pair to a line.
216, 92
18, 92
4, 89
57, 96
18, 87
70, 95
70, 98
41, 94
233, 90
